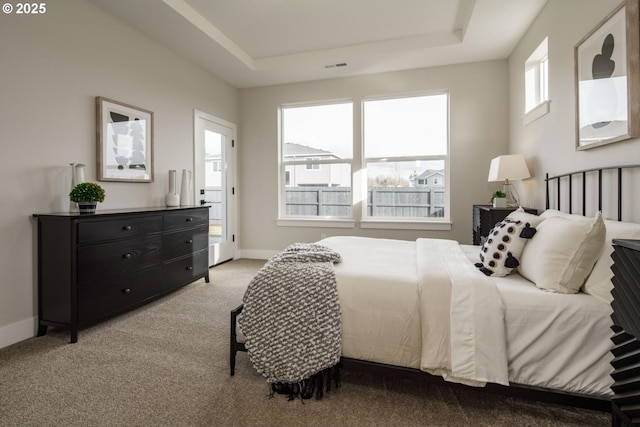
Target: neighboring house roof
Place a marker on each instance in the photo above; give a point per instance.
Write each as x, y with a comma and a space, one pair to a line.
297, 150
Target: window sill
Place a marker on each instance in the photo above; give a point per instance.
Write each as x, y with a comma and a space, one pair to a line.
536, 112
406, 225
366, 224
316, 222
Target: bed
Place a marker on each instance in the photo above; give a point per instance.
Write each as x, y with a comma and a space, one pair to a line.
381, 323
540, 329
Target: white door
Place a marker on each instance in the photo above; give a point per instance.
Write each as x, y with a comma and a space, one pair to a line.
214, 180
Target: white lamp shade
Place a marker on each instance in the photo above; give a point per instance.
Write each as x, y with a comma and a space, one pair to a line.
511, 166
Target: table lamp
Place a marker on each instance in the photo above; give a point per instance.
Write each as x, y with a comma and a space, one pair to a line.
508, 168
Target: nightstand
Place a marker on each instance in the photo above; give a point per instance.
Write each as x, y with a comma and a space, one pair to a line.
625, 404
485, 217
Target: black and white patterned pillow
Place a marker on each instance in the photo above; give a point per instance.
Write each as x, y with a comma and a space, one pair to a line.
501, 251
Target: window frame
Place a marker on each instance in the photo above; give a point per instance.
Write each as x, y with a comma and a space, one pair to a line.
316, 163
536, 83
438, 223
312, 163
358, 179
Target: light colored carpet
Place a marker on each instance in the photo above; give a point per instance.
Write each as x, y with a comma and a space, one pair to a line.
166, 364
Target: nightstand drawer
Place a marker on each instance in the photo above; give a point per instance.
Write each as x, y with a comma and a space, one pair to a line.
108, 260
184, 219
180, 243
95, 302
97, 231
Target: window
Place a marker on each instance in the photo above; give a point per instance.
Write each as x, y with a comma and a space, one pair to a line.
315, 163
401, 167
406, 144
537, 82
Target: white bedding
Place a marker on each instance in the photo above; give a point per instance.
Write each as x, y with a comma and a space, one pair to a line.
557, 341
459, 302
553, 341
380, 323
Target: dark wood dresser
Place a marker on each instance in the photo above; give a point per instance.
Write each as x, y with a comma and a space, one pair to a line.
485, 217
625, 404
91, 267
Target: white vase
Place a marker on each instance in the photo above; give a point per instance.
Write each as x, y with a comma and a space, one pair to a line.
77, 173
185, 192
172, 199
77, 177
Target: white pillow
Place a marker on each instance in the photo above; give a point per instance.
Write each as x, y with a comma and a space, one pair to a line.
522, 215
599, 283
562, 253
501, 250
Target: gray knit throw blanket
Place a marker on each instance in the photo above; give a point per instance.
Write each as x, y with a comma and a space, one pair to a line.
291, 320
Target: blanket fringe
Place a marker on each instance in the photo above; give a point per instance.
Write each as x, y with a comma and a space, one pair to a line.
319, 384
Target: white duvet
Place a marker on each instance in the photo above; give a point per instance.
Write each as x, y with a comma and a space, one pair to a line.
502, 330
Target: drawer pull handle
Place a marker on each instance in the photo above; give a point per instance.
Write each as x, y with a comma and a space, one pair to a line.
189, 268
126, 256
189, 241
127, 228
126, 290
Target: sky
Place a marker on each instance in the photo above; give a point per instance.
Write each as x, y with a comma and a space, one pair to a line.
412, 126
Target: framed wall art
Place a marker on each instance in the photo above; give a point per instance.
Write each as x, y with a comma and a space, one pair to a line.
124, 142
607, 78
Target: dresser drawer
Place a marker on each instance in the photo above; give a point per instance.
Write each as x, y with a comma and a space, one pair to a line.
105, 298
109, 260
97, 231
184, 242
185, 270
184, 219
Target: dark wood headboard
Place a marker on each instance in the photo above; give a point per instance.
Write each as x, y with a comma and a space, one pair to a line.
598, 172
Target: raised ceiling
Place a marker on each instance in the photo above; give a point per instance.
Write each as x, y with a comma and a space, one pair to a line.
252, 43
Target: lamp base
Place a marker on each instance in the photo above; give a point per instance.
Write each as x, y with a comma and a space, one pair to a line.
512, 195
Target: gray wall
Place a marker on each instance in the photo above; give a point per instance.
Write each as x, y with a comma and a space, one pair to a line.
479, 132
548, 143
51, 69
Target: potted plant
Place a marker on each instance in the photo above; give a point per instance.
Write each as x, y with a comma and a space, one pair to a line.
87, 195
499, 199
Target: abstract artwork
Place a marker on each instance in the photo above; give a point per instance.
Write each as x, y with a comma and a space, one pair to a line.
125, 142
607, 80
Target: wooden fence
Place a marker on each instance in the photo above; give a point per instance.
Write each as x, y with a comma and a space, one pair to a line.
399, 202
407, 202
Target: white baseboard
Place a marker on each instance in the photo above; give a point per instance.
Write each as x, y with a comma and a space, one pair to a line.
18, 331
255, 254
